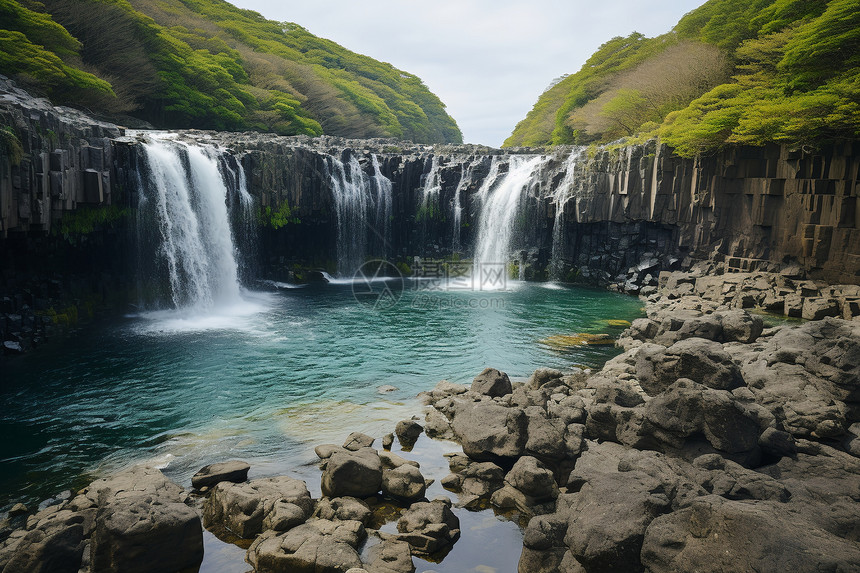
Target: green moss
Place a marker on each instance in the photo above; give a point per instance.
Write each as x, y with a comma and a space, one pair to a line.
11, 146
277, 218
85, 220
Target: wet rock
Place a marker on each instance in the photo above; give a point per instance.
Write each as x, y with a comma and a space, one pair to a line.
353, 474
529, 487
324, 451
53, 543
437, 425
474, 481
247, 509
429, 527
387, 441
408, 432
233, 471
18, 509
492, 382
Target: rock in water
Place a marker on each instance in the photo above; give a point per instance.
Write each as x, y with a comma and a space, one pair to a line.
143, 525
354, 474
247, 509
233, 471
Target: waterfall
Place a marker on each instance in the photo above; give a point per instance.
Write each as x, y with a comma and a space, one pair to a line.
383, 198
362, 208
560, 197
501, 203
465, 180
186, 201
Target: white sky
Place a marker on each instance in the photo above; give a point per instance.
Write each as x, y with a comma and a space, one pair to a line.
487, 60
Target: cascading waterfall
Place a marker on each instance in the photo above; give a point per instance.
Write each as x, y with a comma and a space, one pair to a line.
560, 197
363, 207
186, 199
242, 207
465, 180
383, 188
501, 203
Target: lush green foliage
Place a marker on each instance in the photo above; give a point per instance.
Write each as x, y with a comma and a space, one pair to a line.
795, 79
36, 49
207, 64
277, 218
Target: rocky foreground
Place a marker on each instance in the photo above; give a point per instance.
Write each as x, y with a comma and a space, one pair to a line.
713, 443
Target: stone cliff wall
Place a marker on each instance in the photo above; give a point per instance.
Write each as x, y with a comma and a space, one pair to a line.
747, 207
68, 188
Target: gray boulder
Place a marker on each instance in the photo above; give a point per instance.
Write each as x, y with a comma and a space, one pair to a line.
716, 534
488, 431
429, 527
343, 509
354, 474
318, 546
143, 524
356, 440
492, 382
703, 361
408, 432
247, 509
404, 483
390, 556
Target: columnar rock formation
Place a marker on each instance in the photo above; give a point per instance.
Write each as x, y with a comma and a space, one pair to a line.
69, 187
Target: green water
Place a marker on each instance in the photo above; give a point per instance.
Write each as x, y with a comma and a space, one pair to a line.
269, 379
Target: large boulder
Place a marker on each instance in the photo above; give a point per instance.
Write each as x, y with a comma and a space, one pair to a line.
488, 431
143, 524
687, 410
703, 361
247, 509
390, 556
355, 474
404, 483
54, 543
716, 534
318, 546
492, 382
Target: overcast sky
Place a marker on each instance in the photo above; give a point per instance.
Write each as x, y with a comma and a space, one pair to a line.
488, 60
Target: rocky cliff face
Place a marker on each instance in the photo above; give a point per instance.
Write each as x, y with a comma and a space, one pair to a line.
68, 187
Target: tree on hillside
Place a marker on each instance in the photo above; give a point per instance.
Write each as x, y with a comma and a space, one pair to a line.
663, 83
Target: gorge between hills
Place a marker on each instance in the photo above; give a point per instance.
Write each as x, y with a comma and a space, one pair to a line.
648, 362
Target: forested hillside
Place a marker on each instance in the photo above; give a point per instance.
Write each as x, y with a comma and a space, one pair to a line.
207, 64
730, 72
